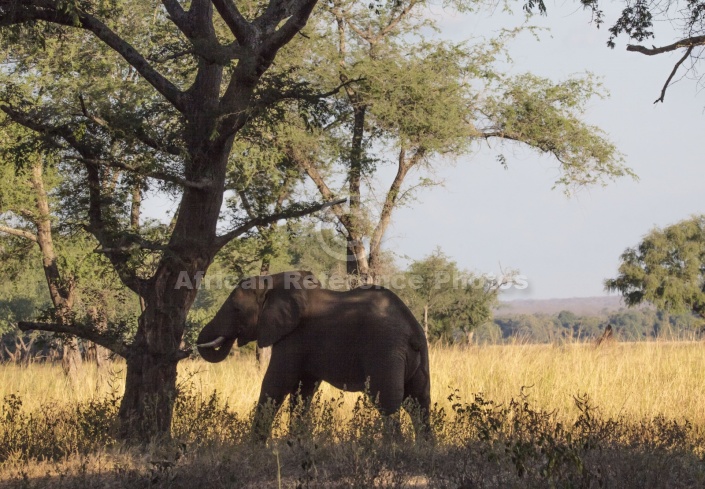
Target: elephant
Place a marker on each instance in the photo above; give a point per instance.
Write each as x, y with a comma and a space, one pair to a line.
364, 339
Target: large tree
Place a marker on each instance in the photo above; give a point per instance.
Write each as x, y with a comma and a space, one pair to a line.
667, 269
138, 97
206, 69
410, 101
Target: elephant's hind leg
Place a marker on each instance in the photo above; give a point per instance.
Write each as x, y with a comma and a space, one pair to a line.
417, 402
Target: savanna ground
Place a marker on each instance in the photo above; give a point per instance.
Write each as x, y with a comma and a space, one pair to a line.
622, 415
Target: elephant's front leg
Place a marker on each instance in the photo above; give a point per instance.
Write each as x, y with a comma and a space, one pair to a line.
279, 381
299, 405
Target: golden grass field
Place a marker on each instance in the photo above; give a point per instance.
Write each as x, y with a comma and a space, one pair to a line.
630, 380
644, 426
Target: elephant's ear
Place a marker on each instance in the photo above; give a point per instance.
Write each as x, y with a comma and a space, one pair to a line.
281, 314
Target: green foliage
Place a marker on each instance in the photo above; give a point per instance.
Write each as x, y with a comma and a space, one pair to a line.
546, 116
453, 302
55, 432
667, 269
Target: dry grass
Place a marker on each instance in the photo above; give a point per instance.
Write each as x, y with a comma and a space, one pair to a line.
639, 422
634, 380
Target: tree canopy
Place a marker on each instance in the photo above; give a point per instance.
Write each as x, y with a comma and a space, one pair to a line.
667, 269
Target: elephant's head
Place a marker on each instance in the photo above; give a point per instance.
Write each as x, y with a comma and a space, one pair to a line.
264, 308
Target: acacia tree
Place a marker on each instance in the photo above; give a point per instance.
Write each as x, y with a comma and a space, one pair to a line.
412, 104
667, 269
206, 69
79, 282
24, 207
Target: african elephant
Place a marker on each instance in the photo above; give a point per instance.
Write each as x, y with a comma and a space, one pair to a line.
344, 338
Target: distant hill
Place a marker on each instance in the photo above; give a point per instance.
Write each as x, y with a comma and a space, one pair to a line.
581, 306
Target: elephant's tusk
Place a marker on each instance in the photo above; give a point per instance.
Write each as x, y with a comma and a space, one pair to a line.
213, 344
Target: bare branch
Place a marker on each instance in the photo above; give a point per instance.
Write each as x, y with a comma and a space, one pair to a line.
683, 43
21, 233
290, 213
673, 73
86, 333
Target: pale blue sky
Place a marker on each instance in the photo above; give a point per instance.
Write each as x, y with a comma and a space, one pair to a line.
486, 216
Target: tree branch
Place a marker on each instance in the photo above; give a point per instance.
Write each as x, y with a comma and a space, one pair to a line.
21, 233
91, 334
108, 239
683, 43
392, 197
158, 175
394, 21
273, 95
178, 16
290, 213
285, 33
138, 132
48, 11
673, 73
322, 186
238, 25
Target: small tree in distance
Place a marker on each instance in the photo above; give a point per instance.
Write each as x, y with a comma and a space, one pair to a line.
667, 269
448, 302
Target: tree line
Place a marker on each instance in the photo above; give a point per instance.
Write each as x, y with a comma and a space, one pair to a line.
640, 324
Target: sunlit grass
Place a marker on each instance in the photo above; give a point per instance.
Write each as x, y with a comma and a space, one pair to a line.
633, 380
506, 416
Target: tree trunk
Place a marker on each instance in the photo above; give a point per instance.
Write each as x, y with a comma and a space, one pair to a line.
147, 406
95, 353
61, 290
357, 265
150, 387
71, 360
425, 319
